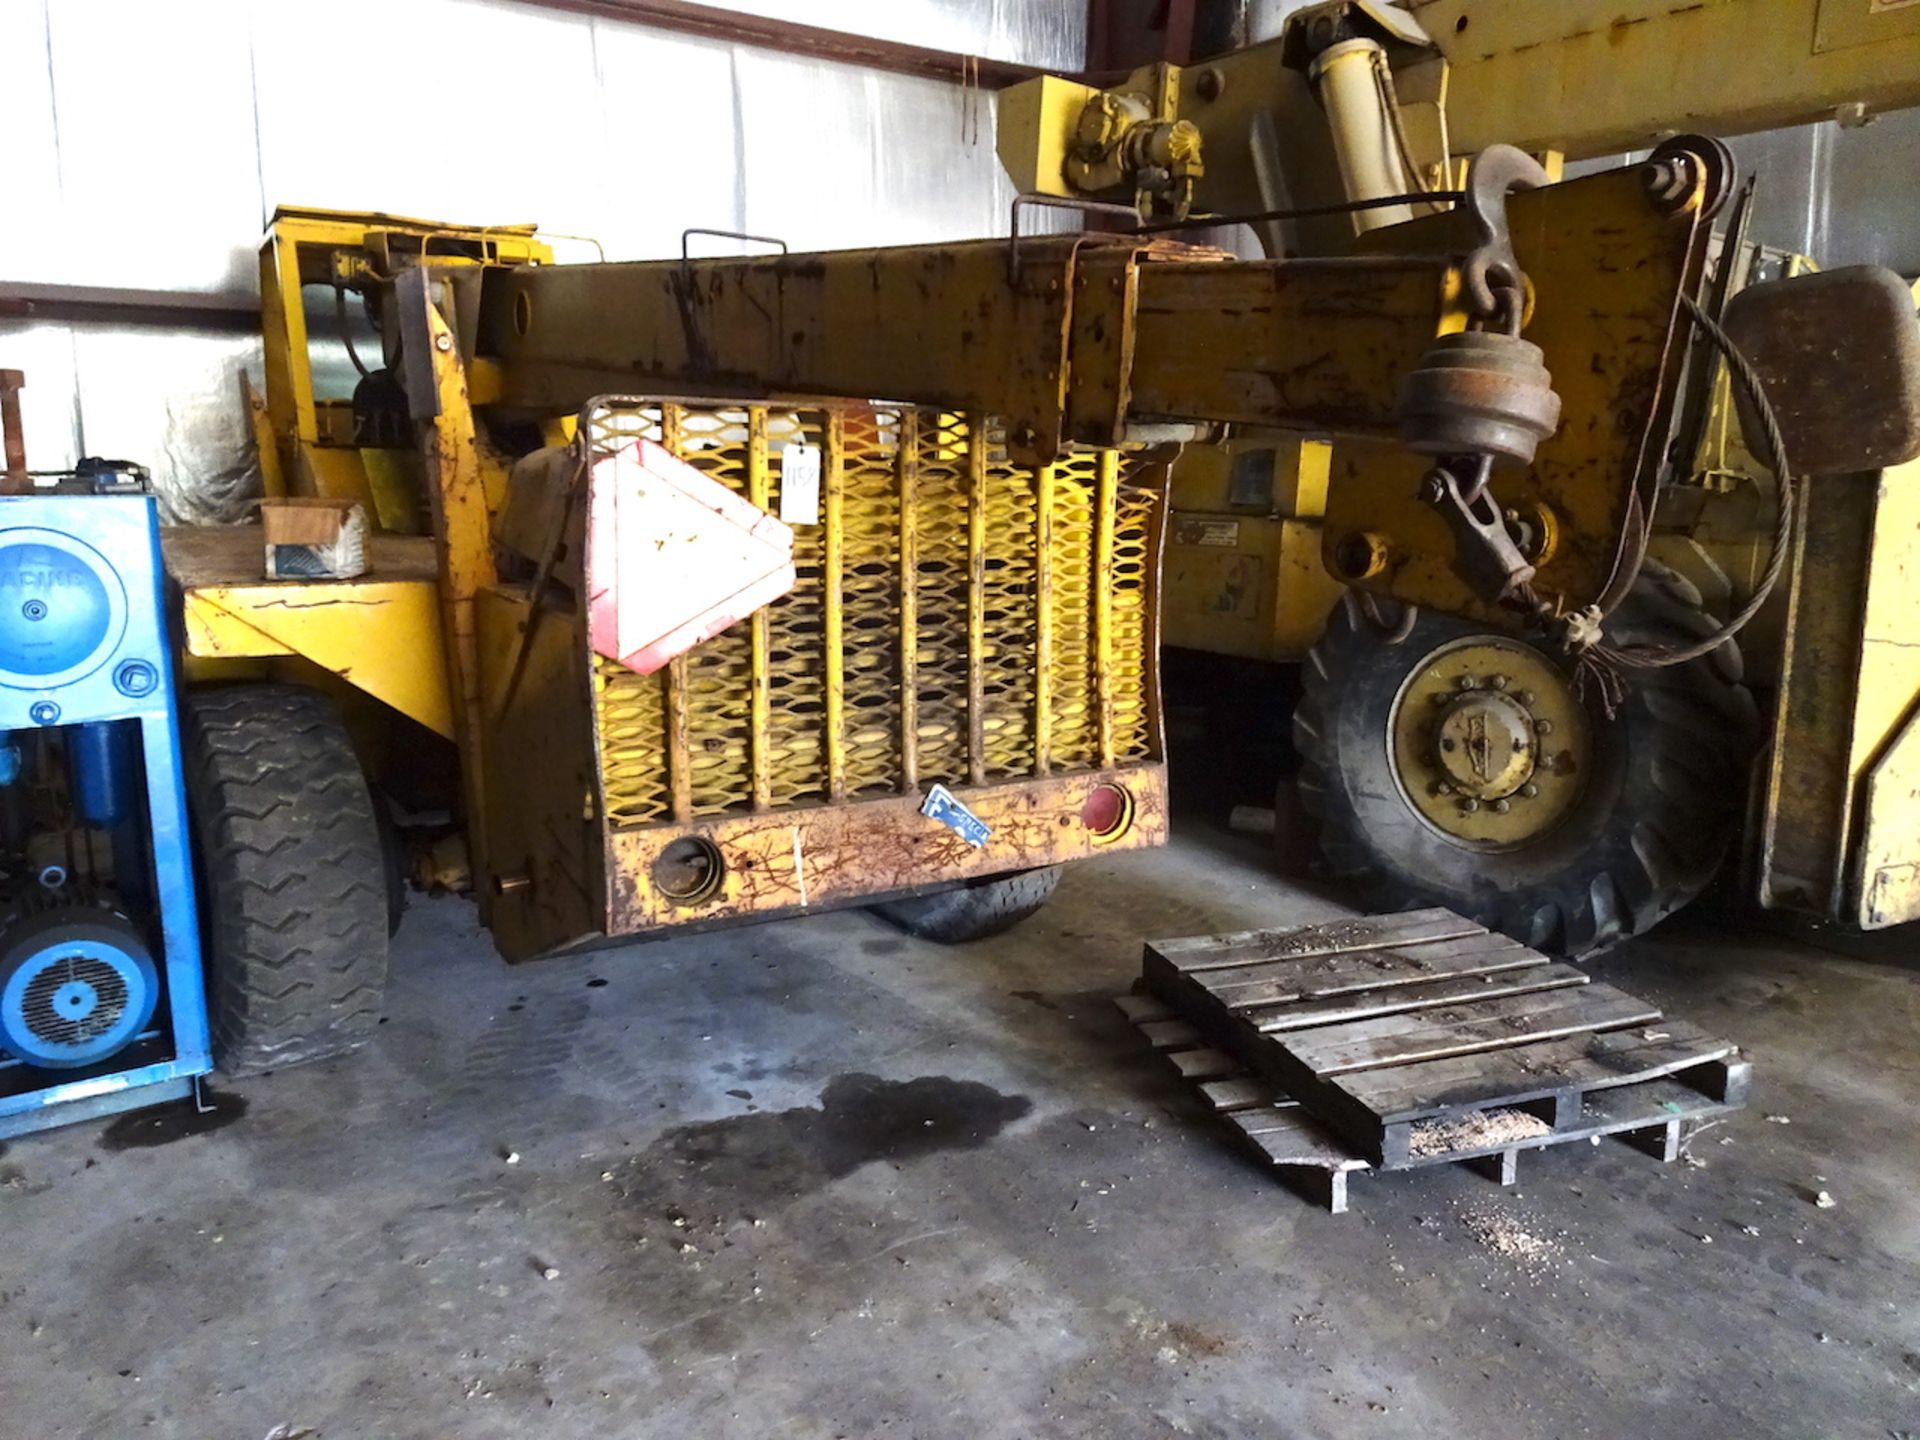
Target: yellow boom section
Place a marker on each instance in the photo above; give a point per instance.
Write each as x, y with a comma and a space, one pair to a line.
1595, 77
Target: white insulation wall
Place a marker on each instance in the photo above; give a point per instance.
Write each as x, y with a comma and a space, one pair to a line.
147, 143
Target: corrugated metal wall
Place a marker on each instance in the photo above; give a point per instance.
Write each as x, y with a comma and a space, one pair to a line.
1846, 197
146, 143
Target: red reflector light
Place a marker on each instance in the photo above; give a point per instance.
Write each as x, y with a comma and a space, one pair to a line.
1107, 811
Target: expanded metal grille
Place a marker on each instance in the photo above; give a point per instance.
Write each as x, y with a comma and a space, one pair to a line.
949, 622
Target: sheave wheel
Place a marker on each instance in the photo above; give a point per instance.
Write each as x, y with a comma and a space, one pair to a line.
293, 877
975, 910
1459, 769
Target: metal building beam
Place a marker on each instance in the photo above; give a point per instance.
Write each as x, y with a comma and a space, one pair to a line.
793, 38
116, 305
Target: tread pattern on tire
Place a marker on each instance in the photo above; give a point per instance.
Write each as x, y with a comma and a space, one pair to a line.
975, 910
293, 876
1662, 833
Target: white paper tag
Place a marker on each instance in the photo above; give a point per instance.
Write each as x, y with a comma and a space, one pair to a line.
800, 484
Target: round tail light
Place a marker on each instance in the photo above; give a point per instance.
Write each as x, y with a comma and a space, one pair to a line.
1107, 812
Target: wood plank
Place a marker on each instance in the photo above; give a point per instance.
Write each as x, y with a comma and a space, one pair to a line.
209, 556
1352, 962
1204, 1064
1170, 1034
1398, 999
1284, 1119
1212, 952
1293, 1137
1326, 932
1143, 1009
1499, 1024
1371, 970
1398, 1093
1243, 1093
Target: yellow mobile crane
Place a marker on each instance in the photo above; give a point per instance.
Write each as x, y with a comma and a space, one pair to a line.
1455, 751
978, 607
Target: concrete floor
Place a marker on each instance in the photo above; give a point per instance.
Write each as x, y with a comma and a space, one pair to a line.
813, 1179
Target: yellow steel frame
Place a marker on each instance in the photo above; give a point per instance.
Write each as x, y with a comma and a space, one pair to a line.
370, 631
744, 744
1096, 340
274, 621
313, 449
1244, 575
1072, 342
1842, 795
1576, 77
1597, 77
1584, 78
1606, 267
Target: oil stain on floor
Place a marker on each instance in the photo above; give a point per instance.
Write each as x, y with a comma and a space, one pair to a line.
144, 1129
768, 1158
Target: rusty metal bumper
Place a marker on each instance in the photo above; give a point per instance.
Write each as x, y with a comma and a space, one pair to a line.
796, 861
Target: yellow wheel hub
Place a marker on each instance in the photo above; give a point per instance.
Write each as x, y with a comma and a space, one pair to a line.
1484, 743
1489, 744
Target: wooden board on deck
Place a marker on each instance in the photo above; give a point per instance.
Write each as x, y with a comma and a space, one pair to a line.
1206, 952
1282, 982
209, 556
1399, 999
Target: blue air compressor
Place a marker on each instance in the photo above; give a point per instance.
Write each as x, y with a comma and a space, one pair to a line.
102, 1004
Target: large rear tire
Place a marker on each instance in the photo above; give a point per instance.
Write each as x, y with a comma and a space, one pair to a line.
1628, 829
975, 910
293, 877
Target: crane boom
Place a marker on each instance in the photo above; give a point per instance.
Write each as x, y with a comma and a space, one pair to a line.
1110, 341
1596, 77
1396, 92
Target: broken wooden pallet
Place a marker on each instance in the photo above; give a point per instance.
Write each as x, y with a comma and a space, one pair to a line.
1422, 1038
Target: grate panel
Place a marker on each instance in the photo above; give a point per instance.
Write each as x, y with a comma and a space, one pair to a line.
1015, 591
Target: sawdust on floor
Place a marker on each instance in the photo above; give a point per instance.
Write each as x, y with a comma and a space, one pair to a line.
1481, 1130
1496, 1229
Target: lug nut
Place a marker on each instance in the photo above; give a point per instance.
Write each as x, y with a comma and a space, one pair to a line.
1529, 790
1526, 697
1469, 805
1466, 682
1500, 807
1543, 727
1499, 682
1441, 787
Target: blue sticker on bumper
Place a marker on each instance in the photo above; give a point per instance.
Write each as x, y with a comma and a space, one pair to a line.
942, 806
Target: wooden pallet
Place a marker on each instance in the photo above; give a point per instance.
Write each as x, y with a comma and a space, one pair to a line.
1420, 1039
1308, 1156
